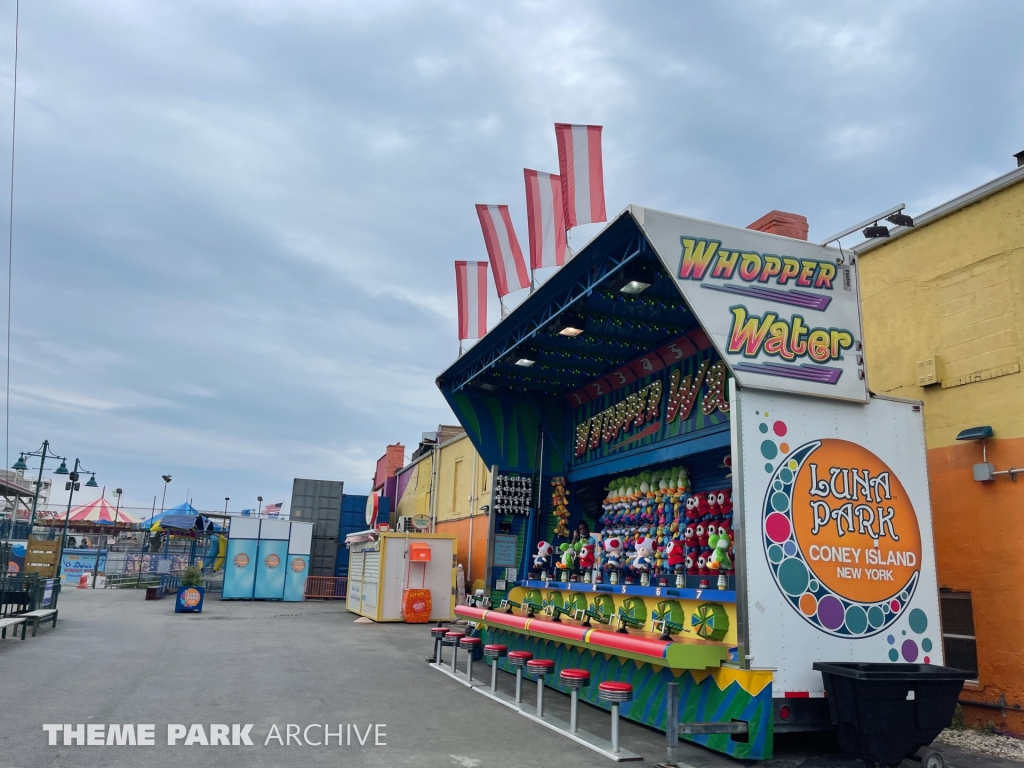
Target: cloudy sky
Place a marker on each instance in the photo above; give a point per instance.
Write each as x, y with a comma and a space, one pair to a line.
235, 222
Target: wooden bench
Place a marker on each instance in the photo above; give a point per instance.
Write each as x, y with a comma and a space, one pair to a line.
14, 621
35, 618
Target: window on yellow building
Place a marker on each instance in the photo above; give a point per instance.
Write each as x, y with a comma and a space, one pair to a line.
456, 473
958, 638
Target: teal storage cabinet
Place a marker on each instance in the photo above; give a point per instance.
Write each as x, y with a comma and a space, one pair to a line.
300, 545
270, 570
295, 578
272, 560
240, 569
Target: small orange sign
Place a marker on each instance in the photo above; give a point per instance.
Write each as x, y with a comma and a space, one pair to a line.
272, 561
241, 560
191, 597
298, 565
416, 606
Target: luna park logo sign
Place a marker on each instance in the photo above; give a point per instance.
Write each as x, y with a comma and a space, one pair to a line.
840, 535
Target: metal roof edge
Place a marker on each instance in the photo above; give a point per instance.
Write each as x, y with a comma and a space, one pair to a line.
987, 189
439, 446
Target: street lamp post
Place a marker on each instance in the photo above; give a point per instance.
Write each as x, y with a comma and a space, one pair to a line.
167, 479
226, 500
71, 486
259, 506
43, 453
117, 508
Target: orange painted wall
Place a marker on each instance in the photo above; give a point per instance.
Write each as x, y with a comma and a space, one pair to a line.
460, 528
979, 529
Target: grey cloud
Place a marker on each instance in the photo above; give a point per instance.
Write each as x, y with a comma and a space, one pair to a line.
235, 222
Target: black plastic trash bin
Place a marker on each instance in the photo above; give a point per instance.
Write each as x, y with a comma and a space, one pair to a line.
885, 713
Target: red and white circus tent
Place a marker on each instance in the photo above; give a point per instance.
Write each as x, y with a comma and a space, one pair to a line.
102, 512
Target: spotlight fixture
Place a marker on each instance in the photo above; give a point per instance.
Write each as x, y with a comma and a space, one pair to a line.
900, 220
524, 362
876, 230
569, 324
634, 279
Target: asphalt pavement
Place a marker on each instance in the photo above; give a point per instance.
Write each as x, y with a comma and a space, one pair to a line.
115, 658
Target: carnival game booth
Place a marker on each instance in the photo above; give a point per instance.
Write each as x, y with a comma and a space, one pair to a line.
696, 395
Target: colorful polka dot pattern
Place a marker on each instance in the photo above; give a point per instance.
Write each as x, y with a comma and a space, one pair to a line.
815, 602
910, 650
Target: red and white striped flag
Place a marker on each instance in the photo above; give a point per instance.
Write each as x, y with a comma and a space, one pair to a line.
545, 218
579, 164
510, 273
471, 287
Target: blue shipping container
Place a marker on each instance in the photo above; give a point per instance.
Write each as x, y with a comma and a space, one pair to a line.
353, 518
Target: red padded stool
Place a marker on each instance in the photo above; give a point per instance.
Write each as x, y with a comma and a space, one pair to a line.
469, 645
495, 651
438, 634
540, 667
574, 679
616, 693
518, 660
452, 639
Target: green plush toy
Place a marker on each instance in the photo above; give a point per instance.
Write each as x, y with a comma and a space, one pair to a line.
568, 559
719, 543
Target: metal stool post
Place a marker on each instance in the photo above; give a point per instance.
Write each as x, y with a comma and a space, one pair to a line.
518, 659
494, 652
574, 679
615, 693
469, 644
453, 638
438, 634
540, 667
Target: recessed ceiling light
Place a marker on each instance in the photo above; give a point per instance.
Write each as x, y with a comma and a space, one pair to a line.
633, 279
569, 324
525, 362
634, 287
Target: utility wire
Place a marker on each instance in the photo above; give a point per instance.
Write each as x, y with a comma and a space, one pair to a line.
10, 243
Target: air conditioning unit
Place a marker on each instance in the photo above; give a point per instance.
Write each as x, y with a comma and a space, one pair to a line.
405, 525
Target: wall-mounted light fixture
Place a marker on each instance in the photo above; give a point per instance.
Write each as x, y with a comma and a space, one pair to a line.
986, 471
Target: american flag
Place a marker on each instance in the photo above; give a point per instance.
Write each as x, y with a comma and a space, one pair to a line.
273, 510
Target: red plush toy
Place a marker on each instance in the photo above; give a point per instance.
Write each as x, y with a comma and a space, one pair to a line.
690, 535
692, 504
725, 502
675, 553
702, 565
691, 565
702, 534
703, 509
713, 505
586, 559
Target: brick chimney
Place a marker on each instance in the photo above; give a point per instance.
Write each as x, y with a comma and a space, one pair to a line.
781, 223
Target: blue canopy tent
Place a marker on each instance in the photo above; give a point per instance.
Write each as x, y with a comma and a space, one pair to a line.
182, 510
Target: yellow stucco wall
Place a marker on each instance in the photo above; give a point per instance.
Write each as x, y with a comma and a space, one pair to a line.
955, 289
416, 498
458, 500
457, 463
